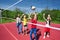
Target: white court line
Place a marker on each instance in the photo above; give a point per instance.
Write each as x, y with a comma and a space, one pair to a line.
9, 32
45, 26
14, 4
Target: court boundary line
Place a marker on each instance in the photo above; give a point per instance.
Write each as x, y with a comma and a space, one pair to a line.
10, 32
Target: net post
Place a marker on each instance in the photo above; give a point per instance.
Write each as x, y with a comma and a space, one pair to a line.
1, 15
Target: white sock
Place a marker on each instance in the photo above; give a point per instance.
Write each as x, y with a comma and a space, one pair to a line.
47, 35
44, 37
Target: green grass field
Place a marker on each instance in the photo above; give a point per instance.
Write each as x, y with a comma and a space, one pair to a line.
6, 20
56, 22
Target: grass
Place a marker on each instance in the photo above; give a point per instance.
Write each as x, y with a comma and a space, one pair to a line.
41, 20
56, 22
4, 20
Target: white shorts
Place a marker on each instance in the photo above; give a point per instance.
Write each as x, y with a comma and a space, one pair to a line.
47, 25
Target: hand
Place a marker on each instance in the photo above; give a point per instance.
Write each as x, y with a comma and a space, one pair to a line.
43, 14
22, 14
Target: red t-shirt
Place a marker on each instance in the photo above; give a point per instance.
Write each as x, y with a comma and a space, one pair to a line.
33, 21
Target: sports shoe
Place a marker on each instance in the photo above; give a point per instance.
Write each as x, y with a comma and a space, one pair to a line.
47, 35
44, 37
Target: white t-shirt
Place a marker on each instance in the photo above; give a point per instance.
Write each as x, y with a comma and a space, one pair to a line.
47, 24
18, 20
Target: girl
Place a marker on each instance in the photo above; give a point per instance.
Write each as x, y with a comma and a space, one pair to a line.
19, 23
47, 30
33, 27
25, 24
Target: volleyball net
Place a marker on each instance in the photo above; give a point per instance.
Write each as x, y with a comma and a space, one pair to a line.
51, 27
40, 25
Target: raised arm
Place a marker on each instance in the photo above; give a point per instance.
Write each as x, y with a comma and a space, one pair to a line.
22, 15
29, 16
44, 17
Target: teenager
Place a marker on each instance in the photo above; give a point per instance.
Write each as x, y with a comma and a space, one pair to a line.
47, 30
25, 27
19, 23
33, 27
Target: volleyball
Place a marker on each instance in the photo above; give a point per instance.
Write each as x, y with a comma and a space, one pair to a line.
33, 7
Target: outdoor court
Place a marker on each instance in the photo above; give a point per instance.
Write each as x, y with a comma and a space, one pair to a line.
8, 31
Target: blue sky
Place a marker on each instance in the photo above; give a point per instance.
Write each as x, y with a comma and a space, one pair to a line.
25, 5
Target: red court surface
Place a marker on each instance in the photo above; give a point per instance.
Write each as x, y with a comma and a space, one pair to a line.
8, 31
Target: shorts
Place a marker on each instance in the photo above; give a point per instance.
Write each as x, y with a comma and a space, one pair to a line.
46, 29
25, 27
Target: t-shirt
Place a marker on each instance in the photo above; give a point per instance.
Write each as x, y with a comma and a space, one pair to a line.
18, 20
48, 22
34, 22
25, 21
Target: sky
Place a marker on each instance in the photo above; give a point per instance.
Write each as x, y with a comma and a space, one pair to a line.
25, 5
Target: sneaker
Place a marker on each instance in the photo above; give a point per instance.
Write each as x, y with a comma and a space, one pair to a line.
18, 32
44, 37
47, 35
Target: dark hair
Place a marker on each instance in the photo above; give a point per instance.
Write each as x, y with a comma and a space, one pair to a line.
32, 16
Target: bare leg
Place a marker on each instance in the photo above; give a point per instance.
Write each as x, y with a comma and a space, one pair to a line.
44, 35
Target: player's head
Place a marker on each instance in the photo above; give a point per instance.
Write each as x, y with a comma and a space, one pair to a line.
32, 16
35, 16
48, 15
24, 16
48, 18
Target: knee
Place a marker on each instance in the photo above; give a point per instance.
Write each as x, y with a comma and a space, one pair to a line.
30, 35
35, 34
